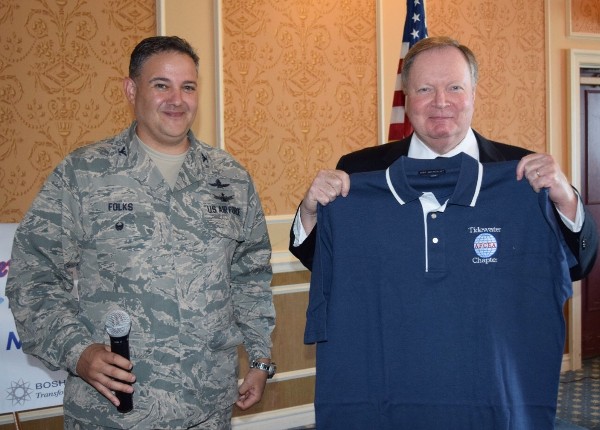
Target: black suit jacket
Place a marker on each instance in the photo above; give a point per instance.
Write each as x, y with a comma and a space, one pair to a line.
584, 244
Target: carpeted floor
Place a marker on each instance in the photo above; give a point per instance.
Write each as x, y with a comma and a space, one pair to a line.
579, 395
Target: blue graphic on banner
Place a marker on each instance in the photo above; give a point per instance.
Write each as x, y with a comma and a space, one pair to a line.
24, 381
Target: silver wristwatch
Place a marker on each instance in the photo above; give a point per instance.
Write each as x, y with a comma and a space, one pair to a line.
269, 368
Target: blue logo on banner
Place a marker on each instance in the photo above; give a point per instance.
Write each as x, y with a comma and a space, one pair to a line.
19, 392
12, 338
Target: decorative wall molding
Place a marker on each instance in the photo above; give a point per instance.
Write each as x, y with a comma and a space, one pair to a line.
587, 10
277, 420
282, 259
578, 58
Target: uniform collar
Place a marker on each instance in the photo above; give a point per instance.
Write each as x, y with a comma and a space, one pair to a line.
133, 157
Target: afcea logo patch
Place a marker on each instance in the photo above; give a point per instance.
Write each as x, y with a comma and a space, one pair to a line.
485, 246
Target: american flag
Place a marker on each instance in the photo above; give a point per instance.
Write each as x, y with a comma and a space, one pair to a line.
415, 29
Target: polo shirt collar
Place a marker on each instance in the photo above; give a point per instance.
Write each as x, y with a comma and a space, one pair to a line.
464, 172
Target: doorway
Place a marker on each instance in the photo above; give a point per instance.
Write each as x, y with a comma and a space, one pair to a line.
590, 193
578, 61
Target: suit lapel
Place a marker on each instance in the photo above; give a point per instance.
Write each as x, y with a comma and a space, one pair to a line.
488, 152
396, 150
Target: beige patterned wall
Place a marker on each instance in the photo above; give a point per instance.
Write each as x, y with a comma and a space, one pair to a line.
585, 16
300, 86
61, 66
300, 81
507, 36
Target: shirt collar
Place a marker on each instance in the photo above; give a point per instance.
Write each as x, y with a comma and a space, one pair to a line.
462, 171
418, 149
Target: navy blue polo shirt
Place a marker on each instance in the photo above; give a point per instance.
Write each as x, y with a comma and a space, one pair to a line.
436, 300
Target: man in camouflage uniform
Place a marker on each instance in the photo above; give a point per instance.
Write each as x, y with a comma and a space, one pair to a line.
166, 228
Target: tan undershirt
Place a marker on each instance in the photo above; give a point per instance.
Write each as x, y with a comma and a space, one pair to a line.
169, 165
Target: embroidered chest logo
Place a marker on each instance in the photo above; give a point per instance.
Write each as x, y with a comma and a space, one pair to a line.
218, 184
485, 244
222, 197
120, 207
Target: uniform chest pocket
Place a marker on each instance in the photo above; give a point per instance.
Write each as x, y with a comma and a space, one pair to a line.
124, 247
123, 227
224, 226
206, 220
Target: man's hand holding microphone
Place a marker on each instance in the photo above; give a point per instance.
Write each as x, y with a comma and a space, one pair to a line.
108, 369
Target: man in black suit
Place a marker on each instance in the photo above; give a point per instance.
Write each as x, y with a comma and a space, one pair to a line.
439, 78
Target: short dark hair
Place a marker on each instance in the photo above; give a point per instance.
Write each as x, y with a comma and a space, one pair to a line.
436, 43
156, 45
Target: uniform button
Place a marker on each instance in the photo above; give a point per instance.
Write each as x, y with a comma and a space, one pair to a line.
433, 216
119, 226
435, 240
584, 244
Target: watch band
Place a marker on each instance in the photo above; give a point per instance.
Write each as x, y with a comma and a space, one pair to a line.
269, 368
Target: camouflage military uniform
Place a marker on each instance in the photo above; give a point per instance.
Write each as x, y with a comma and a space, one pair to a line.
190, 265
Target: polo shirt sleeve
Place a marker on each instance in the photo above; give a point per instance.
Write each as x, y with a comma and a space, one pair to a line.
320, 281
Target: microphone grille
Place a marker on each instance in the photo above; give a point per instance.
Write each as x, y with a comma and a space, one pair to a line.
118, 323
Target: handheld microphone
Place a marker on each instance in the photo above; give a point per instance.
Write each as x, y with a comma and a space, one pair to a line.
118, 324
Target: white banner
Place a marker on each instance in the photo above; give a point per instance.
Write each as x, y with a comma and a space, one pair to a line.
24, 382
